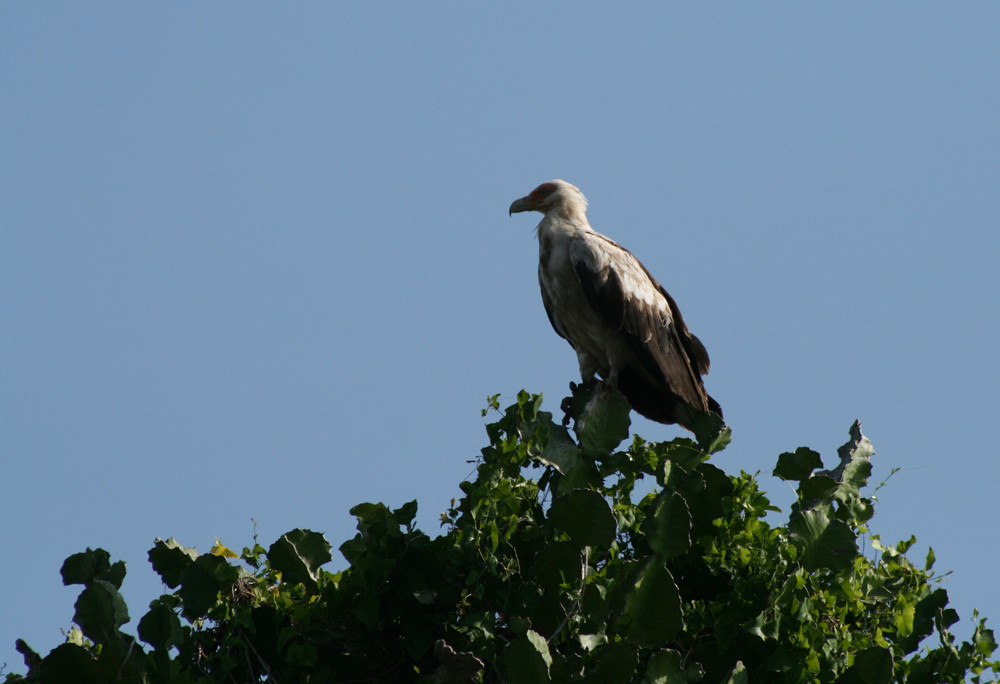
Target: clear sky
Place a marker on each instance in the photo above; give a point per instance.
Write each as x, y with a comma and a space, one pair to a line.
256, 263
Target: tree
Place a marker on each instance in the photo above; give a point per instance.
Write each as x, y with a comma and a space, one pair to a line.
552, 567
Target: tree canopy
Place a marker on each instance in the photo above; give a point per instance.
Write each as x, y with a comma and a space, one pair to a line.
553, 566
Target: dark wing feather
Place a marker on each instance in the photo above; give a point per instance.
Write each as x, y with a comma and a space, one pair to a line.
668, 355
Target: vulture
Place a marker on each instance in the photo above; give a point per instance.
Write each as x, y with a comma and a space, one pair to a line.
620, 321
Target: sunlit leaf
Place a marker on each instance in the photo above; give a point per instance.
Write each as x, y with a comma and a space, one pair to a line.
219, 549
604, 422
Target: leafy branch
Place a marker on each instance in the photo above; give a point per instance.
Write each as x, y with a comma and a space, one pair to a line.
550, 568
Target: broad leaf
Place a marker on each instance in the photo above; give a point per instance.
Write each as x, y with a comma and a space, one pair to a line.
797, 465
70, 663
738, 675
100, 610
201, 582
298, 555
616, 665
855, 458
604, 422
560, 452
160, 627
585, 516
81, 568
665, 667
527, 660
652, 614
827, 543
169, 559
670, 525
871, 666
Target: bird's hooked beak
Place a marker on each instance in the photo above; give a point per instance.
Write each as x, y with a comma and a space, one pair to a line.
519, 205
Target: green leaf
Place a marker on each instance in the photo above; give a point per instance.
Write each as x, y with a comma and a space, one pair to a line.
816, 490
871, 666
855, 458
719, 441
665, 668
826, 543
160, 627
82, 568
670, 525
585, 516
738, 675
541, 645
405, 514
604, 422
114, 575
169, 559
527, 660
100, 611
616, 665
916, 620
797, 465
557, 563
201, 581
711, 432
583, 475
298, 555
652, 613
929, 563
70, 663
560, 452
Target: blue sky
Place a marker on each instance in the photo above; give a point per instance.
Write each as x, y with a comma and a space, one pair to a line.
256, 263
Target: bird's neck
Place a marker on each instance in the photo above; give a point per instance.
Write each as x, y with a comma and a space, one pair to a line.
564, 219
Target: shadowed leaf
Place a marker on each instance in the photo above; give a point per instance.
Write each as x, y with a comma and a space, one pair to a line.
160, 627
81, 568
201, 582
826, 543
585, 516
299, 554
670, 533
652, 612
527, 660
871, 666
100, 610
797, 465
666, 667
169, 559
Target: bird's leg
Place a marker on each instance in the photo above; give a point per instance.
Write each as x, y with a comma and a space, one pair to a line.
588, 369
612, 379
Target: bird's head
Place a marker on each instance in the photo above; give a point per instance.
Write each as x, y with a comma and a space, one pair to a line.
556, 194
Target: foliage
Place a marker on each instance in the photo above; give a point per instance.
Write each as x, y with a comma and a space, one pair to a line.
552, 567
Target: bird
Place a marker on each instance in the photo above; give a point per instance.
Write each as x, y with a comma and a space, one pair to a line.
619, 319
